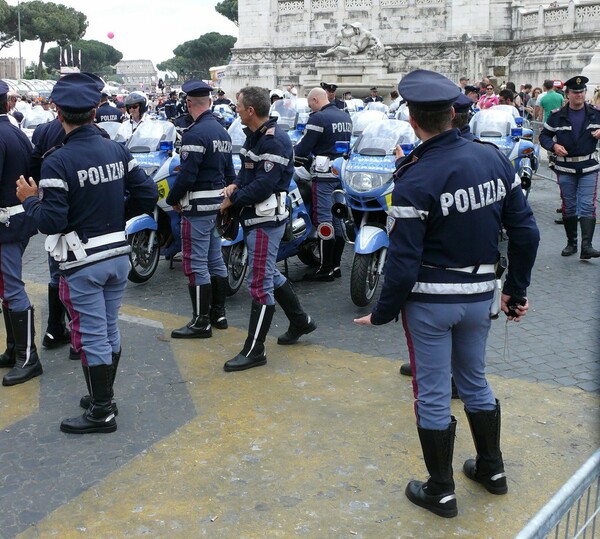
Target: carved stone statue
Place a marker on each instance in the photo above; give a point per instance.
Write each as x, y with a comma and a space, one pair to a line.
352, 40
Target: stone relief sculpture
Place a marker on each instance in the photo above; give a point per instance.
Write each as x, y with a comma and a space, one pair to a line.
352, 40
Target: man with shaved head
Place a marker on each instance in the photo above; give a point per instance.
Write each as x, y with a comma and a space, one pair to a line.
326, 127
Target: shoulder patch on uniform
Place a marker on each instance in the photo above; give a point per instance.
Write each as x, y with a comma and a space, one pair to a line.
268, 166
270, 131
184, 155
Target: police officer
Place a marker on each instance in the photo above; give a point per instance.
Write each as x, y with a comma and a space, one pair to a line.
331, 90
259, 193
137, 106
326, 126
45, 138
571, 134
451, 197
107, 112
374, 97
15, 230
206, 167
171, 106
83, 185
221, 99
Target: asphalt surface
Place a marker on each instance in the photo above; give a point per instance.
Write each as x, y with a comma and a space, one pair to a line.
318, 443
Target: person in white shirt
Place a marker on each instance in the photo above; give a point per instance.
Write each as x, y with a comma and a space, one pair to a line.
136, 105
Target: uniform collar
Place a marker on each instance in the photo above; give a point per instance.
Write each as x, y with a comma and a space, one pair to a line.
86, 130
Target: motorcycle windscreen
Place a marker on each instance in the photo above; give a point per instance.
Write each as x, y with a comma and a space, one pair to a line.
148, 135
493, 122
381, 137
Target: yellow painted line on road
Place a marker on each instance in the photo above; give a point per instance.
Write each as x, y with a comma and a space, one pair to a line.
318, 443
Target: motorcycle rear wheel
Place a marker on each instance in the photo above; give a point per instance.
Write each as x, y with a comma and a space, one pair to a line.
364, 278
143, 263
236, 260
309, 254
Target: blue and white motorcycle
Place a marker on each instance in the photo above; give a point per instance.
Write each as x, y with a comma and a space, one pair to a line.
159, 233
502, 126
363, 202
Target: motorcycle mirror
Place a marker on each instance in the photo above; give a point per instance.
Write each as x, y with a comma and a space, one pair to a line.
166, 146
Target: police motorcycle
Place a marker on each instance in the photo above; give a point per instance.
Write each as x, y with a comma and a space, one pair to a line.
299, 238
363, 201
362, 119
506, 130
224, 114
152, 235
112, 128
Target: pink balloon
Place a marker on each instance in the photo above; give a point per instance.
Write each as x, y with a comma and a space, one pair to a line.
110, 35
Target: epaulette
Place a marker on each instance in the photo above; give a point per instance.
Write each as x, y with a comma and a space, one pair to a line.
53, 149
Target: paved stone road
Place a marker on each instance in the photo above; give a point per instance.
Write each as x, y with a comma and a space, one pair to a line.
319, 443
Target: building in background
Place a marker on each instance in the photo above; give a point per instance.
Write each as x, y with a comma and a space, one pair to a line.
9, 68
138, 75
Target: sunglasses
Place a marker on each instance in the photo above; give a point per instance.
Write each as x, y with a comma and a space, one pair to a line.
132, 107
490, 88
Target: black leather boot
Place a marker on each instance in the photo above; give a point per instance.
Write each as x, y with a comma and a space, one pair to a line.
8, 358
325, 271
27, 362
338, 251
199, 326
300, 322
86, 400
99, 417
57, 333
570, 224
588, 225
253, 353
437, 493
218, 318
488, 467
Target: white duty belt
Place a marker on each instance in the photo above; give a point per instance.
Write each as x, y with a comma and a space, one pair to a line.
576, 159
7, 213
58, 245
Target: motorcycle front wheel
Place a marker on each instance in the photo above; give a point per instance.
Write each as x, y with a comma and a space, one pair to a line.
143, 261
364, 278
236, 259
309, 254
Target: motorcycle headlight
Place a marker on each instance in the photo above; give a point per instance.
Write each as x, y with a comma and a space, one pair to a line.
367, 181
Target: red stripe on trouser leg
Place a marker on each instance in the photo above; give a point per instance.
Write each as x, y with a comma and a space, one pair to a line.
186, 250
259, 264
413, 365
74, 323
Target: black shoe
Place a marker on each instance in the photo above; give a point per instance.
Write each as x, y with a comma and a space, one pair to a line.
19, 375
242, 362
74, 354
569, 250
443, 505
55, 338
405, 369
99, 417
9, 357
293, 333
318, 276
218, 318
86, 400
27, 362
199, 326
495, 483
337, 273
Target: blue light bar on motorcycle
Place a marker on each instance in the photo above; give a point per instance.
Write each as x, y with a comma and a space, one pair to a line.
407, 148
519, 121
342, 146
166, 146
300, 127
516, 132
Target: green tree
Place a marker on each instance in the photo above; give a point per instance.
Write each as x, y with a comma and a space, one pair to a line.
49, 22
8, 18
194, 58
96, 57
229, 9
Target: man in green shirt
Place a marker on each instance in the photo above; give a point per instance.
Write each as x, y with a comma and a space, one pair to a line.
550, 101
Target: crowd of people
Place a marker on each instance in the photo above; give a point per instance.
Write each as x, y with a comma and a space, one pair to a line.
444, 292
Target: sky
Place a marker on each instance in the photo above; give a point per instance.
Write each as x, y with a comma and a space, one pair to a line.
143, 30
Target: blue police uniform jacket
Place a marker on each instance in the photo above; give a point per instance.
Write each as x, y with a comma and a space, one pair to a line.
267, 167
85, 186
581, 157
15, 158
206, 165
108, 113
170, 108
465, 132
323, 129
451, 198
